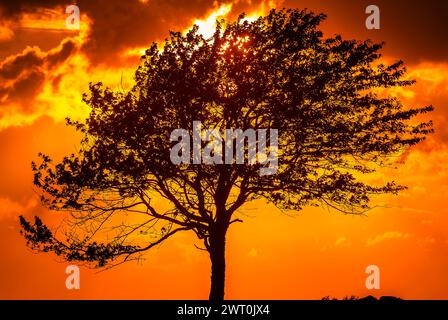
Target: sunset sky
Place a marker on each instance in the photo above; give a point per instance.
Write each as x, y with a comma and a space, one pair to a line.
45, 69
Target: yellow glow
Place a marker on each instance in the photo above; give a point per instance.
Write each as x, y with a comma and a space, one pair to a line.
253, 17
134, 52
431, 73
238, 43
6, 33
54, 20
44, 19
207, 26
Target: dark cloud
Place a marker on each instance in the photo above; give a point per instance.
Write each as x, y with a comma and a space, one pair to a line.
13, 66
120, 25
24, 74
413, 30
33, 57
26, 37
12, 8
59, 55
24, 88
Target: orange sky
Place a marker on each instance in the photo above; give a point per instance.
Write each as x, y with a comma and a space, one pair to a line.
44, 69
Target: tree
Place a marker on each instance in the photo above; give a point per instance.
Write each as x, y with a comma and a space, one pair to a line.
324, 95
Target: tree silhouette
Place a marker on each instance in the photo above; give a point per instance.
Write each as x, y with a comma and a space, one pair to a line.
324, 95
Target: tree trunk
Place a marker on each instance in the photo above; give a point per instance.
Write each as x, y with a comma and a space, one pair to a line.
218, 262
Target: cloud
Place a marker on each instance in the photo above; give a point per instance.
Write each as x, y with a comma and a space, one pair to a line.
13, 8
413, 31
431, 89
253, 253
6, 33
10, 208
114, 28
117, 26
342, 242
24, 88
113, 32
13, 66
428, 240
34, 82
23, 76
33, 57
386, 236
